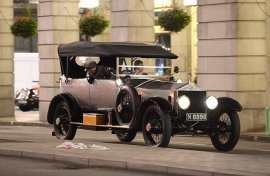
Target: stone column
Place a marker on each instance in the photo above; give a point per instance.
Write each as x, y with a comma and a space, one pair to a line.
6, 59
232, 55
267, 7
132, 21
58, 23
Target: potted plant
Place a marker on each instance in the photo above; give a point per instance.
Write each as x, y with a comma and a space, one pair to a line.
24, 26
92, 24
174, 20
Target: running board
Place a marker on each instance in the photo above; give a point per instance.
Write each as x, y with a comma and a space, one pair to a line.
100, 126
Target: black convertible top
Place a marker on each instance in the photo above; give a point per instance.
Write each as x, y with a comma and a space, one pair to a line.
113, 49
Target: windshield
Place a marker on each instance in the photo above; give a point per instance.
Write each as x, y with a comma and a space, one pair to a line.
144, 66
136, 67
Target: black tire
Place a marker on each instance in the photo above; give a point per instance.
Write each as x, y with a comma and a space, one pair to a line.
156, 127
127, 101
226, 126
61, 122
125, 135
25, 108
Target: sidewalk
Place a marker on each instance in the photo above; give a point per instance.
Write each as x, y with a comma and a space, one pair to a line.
30, 118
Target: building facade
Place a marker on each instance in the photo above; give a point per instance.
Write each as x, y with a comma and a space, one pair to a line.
225, 47
233, 59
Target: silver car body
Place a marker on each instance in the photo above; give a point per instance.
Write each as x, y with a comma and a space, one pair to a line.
102, 93
91, 97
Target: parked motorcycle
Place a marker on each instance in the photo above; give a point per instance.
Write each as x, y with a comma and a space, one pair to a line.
27, 98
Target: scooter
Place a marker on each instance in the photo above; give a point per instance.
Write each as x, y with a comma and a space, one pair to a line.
27, 98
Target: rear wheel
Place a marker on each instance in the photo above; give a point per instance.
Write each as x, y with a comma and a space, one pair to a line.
156, 127
226, 127
61, 122
125, 135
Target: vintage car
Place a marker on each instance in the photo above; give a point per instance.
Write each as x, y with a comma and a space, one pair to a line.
154, 102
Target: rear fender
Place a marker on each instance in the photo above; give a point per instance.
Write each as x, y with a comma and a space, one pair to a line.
52, 107
76, 112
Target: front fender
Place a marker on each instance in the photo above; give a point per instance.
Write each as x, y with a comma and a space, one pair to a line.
165, 105
232, 104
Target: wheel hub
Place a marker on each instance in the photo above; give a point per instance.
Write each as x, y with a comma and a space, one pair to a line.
119, 108
57, 121
148, 127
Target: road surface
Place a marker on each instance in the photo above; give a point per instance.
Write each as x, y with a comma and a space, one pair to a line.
192, 153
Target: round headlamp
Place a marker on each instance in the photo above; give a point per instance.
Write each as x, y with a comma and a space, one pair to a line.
184, 102
212, 102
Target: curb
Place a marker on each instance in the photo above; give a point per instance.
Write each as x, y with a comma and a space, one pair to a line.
255, 138
123, 165
12, 123
247, 137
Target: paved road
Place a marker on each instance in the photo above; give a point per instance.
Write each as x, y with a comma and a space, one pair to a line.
186, 153
11, 166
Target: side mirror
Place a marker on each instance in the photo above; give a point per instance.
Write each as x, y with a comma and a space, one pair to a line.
176, 69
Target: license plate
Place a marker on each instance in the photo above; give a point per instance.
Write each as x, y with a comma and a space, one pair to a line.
196, 117
22, 101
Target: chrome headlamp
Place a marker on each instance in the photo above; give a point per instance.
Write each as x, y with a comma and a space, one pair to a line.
212, 102
184, 102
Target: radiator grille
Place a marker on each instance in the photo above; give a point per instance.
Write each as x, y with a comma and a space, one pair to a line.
197, 102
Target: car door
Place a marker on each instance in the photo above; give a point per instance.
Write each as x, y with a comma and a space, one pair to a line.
103, 93
79, 89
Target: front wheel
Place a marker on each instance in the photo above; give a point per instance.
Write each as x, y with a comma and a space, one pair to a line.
125, 135
61, 122
156, 127
226, 127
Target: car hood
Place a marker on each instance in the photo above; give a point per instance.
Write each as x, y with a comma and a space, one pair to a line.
166, 85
